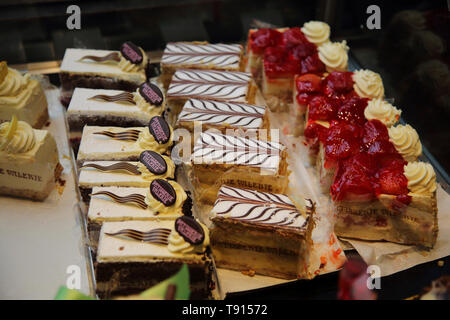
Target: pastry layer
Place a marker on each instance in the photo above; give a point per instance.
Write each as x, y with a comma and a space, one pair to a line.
83, 110
386, 219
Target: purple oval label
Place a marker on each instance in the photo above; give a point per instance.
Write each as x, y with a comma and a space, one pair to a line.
160, 130
131, 52
190, 230
163, 191
151, 93
154, 162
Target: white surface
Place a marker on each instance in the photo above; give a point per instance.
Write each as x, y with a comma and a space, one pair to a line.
40, 240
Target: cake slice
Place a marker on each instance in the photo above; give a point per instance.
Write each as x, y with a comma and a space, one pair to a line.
407, 216
151, 166
224, 116
99, 107
22, 97
103, 69
116, 143
199, 55
161, 200
236, 161
211, 85
135, 255
29, 161
262, 232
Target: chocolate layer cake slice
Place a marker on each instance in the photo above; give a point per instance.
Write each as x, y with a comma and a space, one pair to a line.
237, 161
100, 107
151, 166
161, 200
135, 255
261, 231
199, 55
103, 69
117, 143
209, 84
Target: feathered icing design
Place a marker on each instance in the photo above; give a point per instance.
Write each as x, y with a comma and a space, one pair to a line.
210, 84
121, 97
157, 236
258, 207
215, 112
219, 148
113, 56
131, 168
217, 55
129, 135
135, 198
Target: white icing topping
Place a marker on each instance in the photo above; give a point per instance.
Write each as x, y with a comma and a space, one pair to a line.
258, 207
211, 55
223, 113
217, 148
210, 84
16, 137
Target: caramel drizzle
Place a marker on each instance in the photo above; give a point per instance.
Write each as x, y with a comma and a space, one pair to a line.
130, 135
131, 168
121, 97
158, 236
114, 56
135, 198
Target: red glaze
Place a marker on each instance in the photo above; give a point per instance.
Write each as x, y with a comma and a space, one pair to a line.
353, 111
391, 181
308, 83
312, 64
374, 130
321, 108
277, 64
343, 140
339, 82
264, 38
294, 37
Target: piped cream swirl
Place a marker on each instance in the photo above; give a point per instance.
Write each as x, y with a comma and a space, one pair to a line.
16, 137
159, 207
148, 175
317, 32
13, 84
128, 66
146, 106
368, 84
421, 177
147, 142
406, 141
382, 110
177, 244
334, 55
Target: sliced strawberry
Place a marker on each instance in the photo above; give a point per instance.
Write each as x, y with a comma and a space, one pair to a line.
294, 37
308, 83
353, 111
264, 38
374, 130
392, 182
312, 64
340, 82
321, 108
